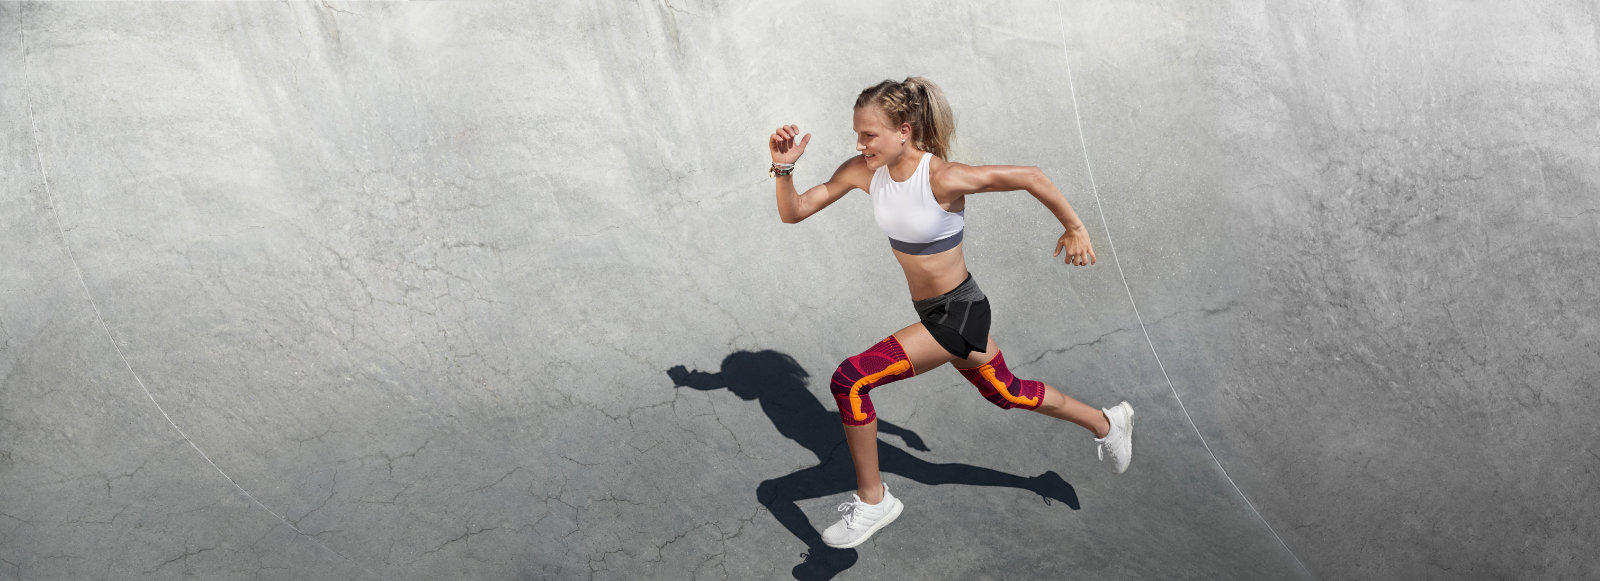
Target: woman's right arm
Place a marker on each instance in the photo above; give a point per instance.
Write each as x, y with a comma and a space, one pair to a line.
794, 206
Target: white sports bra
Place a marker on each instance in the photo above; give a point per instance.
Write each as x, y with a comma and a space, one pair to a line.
908, 213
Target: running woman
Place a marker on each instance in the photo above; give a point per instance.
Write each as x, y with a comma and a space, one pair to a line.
903, 132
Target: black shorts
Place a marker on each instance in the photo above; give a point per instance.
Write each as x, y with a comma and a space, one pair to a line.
959, 319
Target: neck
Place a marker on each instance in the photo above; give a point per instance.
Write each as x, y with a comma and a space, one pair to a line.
906, 165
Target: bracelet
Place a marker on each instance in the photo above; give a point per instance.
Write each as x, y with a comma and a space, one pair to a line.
779, 170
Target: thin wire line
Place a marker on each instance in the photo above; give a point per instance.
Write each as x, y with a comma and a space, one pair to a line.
1095, 188
50, 194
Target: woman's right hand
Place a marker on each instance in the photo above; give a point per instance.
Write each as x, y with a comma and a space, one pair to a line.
787, 145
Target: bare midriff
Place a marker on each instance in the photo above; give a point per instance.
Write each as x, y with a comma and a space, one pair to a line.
934, 274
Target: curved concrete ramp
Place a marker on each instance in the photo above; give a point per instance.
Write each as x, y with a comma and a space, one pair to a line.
485, 291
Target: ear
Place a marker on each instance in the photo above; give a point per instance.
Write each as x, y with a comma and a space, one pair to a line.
905, 131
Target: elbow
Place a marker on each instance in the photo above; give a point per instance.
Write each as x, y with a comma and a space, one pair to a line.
795, 215
1037, 182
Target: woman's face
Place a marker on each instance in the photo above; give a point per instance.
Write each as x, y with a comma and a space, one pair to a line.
877, 142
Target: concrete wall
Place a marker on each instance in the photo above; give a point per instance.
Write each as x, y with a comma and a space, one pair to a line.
317, 291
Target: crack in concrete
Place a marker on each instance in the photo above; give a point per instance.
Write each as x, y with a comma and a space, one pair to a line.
18, 518
740, 445
332, 490
492, 484
465, 538
603, 557
580, 463
660, 549
395, 499
330, 8
1203, 311
412, 455
1059, 351
612, 497
188, 551
110, 521
629, 416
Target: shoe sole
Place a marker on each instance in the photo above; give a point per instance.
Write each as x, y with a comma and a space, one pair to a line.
894, 513
1130, 437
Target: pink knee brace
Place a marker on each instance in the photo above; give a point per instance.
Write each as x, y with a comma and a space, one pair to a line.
884, 363
1003, 389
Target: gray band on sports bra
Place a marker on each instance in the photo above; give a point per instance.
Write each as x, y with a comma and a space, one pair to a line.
924, 248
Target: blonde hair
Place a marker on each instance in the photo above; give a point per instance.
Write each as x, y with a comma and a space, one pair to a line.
920, 103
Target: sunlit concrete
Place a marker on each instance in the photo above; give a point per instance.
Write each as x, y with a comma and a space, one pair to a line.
498, 290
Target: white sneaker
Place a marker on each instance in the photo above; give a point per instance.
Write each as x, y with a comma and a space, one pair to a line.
861, 520
1118, 442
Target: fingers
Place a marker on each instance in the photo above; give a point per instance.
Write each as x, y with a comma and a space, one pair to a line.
1083, 257
786, 138
777, 142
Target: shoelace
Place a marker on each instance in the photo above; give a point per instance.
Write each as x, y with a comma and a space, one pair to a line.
850, 513
1105, 444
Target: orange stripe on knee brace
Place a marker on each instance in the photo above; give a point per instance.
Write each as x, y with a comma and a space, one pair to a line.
988, 373
881, 364
996, 383
897, 368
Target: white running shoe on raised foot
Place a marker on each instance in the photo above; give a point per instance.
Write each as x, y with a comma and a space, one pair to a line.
1118, 442
861, 520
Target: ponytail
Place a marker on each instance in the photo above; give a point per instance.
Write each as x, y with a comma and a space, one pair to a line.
920, 103
935, 124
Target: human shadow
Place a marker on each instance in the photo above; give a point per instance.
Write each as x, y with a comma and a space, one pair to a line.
778, 383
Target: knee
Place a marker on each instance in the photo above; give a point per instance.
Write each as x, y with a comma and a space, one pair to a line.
854, 378
767, 492
996, 383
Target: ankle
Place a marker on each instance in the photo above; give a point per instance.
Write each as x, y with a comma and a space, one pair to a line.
873, 496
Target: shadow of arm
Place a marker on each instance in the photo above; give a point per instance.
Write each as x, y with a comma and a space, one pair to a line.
682, 377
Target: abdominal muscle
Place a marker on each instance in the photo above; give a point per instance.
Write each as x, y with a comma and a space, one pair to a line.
932, 275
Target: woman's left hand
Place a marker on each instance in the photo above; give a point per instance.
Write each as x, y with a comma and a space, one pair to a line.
1076, 243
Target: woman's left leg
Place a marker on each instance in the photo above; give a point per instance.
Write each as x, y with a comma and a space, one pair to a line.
994, 379
1112, 427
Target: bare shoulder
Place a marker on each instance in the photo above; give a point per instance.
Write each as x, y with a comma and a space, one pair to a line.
962, 179
854, 173
956, 178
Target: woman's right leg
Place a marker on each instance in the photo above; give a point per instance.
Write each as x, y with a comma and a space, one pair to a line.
923, 353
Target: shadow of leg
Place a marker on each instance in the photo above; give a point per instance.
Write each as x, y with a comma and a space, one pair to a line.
824, 564
1048, 485
779, 495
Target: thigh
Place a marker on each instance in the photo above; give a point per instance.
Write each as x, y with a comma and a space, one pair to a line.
976, 358
922, 349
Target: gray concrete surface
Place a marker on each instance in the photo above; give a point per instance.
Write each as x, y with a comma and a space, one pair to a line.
497, 291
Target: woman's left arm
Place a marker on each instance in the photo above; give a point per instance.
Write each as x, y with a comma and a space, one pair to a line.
961, 179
